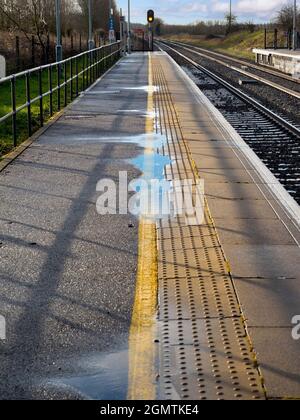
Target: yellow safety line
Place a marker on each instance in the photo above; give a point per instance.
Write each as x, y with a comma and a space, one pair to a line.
142, 352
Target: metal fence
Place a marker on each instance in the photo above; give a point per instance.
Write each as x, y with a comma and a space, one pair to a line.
33, 96
279, 39
23, 52
140, 42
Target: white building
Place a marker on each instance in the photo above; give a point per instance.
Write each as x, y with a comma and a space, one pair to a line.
284, 60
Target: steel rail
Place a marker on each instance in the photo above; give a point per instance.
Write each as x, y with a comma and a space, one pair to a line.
241, 71
242, 62
253, 102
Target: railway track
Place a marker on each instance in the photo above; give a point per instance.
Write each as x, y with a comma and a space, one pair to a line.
265, 70
275, 139
276, 80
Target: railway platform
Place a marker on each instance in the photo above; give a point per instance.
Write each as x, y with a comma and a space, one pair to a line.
284, 60
201, 308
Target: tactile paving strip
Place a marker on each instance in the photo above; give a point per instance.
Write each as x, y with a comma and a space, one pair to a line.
205, 352
207, 359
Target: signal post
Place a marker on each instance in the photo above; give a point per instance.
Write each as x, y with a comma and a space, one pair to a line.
150, 19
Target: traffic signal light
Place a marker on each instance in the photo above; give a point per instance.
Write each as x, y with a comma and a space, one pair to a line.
150, 16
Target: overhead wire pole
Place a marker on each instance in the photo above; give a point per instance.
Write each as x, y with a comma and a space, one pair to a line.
121, 27
109, 21
58, 48
129, 27
295, 34
91, 40
230, 15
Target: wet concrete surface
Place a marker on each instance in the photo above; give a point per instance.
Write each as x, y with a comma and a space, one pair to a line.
67, 275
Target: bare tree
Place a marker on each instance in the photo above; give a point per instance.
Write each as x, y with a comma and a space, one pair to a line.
100, 13
285, 17
231, 22
34, 16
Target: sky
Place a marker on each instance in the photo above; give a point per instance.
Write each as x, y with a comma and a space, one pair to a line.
188, 11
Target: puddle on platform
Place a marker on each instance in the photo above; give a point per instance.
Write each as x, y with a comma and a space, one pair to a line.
131, 112
129, 61
152, 187
102, 92
152, 165
80, 117
139, 112
106, 378
147, 88
143, 140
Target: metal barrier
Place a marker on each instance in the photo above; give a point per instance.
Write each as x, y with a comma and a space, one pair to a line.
51, 87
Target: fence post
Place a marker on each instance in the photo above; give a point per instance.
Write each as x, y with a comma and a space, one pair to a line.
28, 96
275, 39
18, 63
50, 90
33, 51
14, 110
40, 78
289, 39
48, 50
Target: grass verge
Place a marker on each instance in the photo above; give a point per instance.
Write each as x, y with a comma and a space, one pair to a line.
239, 44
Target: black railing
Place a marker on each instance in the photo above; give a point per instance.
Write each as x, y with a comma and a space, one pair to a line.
35, 95
276, 39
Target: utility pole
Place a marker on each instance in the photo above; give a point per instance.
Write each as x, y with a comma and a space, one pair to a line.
295, 34
91, 40
129, 27
58, 48
230, 15
121, 27
122, 19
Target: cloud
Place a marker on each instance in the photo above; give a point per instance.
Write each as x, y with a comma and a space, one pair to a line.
261, 8
220, 7
195, 7
186, 11
183, 8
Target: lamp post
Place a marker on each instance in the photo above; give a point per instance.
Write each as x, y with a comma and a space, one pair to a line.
58, 47
91, 40
129, 27
295, 34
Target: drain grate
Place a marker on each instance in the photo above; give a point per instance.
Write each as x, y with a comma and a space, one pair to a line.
205, 352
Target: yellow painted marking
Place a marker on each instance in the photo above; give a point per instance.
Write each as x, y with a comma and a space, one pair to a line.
142, 351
